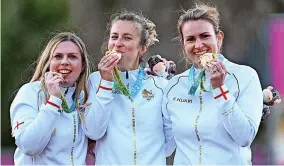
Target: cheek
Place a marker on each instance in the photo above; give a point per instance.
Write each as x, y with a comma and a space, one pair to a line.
78, 67
214, 47
188, 48
214, 44
131, 47
53, 66
110, 44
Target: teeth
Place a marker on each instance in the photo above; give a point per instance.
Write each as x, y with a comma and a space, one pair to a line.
200, 53
64, 71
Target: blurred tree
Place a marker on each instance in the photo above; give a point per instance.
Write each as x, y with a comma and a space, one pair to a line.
26, 26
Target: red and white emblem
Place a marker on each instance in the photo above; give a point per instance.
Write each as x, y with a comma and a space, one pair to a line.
222, 92
18, 125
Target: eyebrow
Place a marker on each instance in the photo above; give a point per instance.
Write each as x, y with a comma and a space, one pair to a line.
114, 33
204, 33
68, 53
198, 34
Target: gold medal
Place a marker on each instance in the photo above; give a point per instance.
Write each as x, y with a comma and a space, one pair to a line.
207, 57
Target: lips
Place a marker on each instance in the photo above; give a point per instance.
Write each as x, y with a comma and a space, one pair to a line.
64, 71
201, 52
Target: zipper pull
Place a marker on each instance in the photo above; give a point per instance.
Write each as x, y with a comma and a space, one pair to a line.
126, 75
66, 91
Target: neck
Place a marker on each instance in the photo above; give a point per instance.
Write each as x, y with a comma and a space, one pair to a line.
128, 67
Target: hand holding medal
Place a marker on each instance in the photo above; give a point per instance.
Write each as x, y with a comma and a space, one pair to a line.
107, 64
215, 68
209, 63
52, 83
116, 74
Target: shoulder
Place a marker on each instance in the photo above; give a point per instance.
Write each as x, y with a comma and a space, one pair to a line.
27, 94
94, 79
242, 77
29, 89
179, 78
159, 82
95, 76
243, 72
238, 68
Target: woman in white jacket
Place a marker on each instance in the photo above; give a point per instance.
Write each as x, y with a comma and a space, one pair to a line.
125, 118
215, 107
45, 114
132, 128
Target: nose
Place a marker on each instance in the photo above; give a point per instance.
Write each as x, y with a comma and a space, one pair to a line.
65, 60
198, 43
118, 42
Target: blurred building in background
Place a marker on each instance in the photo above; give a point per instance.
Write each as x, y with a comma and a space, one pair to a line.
253, 29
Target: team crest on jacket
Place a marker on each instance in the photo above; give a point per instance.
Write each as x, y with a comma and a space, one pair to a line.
147, 94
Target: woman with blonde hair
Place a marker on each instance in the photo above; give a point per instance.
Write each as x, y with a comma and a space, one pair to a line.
125, 117
222, 118
46, 116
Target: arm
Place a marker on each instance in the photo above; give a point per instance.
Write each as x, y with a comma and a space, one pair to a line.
32, 129
169, 136
241, 119
97, 115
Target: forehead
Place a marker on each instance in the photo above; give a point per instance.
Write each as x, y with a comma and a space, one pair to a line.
125, 27
195, 27
67, 46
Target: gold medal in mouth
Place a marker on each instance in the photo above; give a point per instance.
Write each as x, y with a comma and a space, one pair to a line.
207, 57
118, 54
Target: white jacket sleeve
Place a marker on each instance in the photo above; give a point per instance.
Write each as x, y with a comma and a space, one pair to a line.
97, 115
169, 136
31, 128
241, 119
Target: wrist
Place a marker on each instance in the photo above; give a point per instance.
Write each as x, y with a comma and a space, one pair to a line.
56, 94
106, 76
54, 102
215, 86
105, 85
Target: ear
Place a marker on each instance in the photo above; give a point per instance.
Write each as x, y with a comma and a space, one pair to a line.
220, 37
143, 50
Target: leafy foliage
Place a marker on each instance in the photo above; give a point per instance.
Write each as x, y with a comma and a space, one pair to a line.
26, 27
